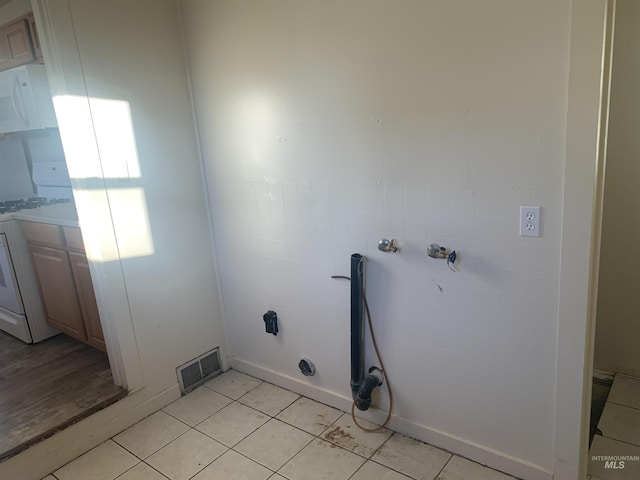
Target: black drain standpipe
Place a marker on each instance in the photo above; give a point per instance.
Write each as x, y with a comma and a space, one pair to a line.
361, 386
372, 380
357, 323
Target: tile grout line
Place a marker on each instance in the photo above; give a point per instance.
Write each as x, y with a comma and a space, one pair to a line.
294, 456
618, 440
227, 447
271, 417
207, 465
243, 438
172, 416
74, 459
444, 466
155, 451
251, 459
144, 460
314, 436
155, 469
393, 469
319, 436
622, 405
189, 428
235, 399
248, 435
134, 466
402, 473
357, 470
383, 444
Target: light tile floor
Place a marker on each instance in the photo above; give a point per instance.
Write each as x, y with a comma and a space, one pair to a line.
620, 426
237, 427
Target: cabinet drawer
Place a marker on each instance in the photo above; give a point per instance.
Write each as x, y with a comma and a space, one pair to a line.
73, 237
42, 233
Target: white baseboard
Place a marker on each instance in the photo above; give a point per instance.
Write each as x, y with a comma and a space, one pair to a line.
471, 450
48, 455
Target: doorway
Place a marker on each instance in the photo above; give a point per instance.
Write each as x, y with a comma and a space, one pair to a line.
48, 386
57, 381
615, 409
54, 370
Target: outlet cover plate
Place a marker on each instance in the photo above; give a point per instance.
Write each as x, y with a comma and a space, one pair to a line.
530, 221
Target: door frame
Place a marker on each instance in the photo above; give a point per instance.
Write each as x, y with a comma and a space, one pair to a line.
73, 111
592, 23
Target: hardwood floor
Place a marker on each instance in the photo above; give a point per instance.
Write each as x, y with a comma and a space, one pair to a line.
48, 386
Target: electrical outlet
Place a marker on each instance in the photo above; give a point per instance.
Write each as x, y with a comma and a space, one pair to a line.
529, 221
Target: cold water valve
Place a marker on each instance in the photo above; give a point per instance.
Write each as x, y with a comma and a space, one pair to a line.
436, 251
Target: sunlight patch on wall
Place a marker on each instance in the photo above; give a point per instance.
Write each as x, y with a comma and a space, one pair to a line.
111, 126
257, 116
116, 138
127, 209
96, 224
74, 116
105, 172
131, 222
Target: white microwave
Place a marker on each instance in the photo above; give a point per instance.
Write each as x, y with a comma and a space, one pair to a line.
25, 99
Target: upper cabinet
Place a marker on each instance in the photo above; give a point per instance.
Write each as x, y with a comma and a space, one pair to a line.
19, 43
35, 41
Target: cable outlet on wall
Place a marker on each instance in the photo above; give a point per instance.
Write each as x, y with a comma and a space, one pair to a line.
529, 221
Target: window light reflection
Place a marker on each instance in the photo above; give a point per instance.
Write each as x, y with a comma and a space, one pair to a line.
105, 179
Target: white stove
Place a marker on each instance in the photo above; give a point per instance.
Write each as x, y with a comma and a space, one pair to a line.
13, 206
21, 311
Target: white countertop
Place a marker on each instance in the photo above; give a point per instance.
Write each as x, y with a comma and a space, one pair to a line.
60, 214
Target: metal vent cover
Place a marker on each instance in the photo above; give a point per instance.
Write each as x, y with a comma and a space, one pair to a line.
196, 371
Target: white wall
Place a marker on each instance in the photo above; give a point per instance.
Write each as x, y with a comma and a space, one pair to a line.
160, 298
618, 329
171, 285
327, 126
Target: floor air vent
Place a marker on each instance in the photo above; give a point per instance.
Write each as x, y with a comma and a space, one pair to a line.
196, 371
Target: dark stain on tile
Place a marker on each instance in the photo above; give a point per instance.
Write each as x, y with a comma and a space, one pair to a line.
341, 437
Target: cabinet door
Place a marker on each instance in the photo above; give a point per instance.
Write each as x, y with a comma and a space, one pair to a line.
5, 56
58, 290
35, 40
16, 48
87, 299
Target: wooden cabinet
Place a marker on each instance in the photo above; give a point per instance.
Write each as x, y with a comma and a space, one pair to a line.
15, 44
35, 40
62, 271
87, 299
58, 290
19, 42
